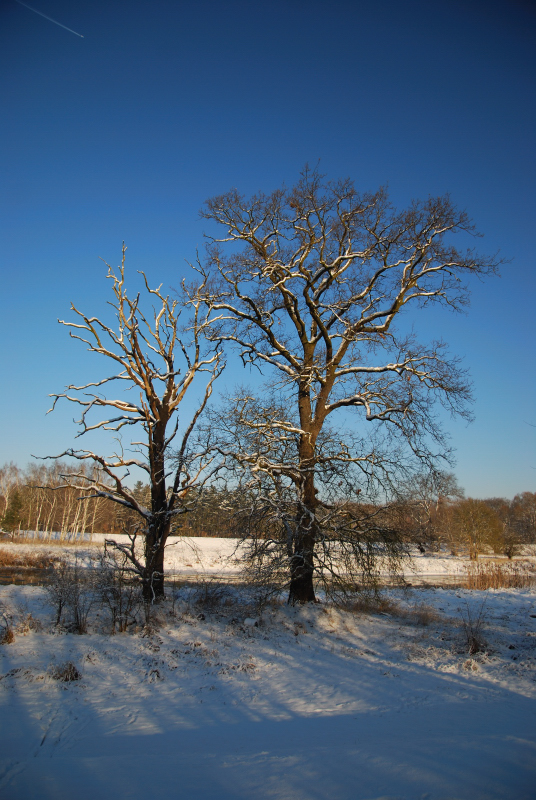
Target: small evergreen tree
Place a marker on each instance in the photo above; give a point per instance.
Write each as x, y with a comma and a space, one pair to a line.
12, 517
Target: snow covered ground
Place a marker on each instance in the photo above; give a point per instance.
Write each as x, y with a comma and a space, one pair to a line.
194, 556
306, 704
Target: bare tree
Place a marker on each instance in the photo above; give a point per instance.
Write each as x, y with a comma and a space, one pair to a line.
356, 539
522, 517
144, 350
424, 498
309, 285
477, 527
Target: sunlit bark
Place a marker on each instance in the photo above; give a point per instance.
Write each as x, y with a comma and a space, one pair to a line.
145, 349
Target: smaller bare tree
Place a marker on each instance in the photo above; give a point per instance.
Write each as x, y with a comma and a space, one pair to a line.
144, 349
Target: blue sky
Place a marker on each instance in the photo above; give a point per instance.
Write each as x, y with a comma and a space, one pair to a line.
123, 134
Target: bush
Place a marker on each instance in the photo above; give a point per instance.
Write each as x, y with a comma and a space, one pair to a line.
211, 594
472, 625
66, 672
72, 588
118, 590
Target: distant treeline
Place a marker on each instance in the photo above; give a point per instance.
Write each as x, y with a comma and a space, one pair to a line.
471, 526
38, 499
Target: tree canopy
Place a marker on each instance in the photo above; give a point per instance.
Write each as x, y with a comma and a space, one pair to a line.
309, 282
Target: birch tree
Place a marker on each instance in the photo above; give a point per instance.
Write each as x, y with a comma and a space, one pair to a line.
158, 361
308, 283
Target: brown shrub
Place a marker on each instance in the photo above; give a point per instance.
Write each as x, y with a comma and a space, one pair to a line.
7, 636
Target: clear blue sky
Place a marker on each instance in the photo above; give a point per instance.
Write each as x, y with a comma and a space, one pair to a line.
122, 134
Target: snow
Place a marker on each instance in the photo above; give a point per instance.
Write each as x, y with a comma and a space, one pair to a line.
232, 700
210, 556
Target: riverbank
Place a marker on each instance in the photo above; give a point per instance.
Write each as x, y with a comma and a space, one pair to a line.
201, 558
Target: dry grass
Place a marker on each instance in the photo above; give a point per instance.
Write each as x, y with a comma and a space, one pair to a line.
27, 623
423, 614
11, 560
500, 576
7, 636
418, 614
38, 540
373, 604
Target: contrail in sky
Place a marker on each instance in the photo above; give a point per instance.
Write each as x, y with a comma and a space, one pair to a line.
49, 18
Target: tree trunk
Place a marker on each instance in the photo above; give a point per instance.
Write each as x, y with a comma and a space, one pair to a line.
302, 560
301, 572
153, 575
158, 529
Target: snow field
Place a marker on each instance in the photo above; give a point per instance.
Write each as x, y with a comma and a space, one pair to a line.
219, 701
194, 556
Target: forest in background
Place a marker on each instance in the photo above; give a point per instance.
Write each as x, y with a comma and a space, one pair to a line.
38, 499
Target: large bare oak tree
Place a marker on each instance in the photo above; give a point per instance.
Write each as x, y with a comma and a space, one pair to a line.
309, 282
158, 363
